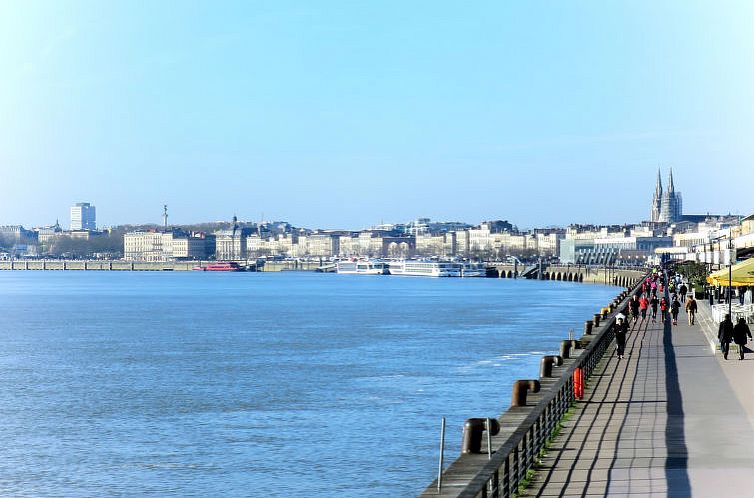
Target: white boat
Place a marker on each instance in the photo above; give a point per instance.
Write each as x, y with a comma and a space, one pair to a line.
473, 270
361, 267
417, 268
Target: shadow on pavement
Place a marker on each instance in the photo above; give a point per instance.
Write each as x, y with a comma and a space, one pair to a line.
676, 464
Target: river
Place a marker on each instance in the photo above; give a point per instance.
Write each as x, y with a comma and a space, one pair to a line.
258, 384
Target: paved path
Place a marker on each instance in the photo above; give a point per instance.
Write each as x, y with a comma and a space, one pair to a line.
665, 421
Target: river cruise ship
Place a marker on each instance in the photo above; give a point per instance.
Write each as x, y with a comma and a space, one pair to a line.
361, 267
417, 268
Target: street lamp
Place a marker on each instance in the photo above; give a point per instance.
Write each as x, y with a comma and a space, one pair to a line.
730, 275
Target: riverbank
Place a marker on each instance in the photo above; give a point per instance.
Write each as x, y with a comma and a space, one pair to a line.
566, 273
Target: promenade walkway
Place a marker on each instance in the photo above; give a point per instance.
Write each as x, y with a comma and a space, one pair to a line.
671, 419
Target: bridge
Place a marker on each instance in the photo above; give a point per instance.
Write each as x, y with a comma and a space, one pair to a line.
567, 273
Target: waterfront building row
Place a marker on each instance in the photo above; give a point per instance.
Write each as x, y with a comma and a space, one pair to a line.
576, 244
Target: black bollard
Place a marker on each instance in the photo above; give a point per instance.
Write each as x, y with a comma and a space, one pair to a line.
545, 365
472, 434
521, 388
588, 327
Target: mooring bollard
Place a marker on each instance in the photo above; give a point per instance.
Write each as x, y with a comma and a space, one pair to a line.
521, 388
545, 365
605, 312
588, 327
596, 320
472, 434
565, 348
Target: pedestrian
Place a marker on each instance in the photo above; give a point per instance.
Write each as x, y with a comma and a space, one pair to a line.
635, 308
682, 290
725, 335
663, 308
643, 306
653, 304
621, 328
675, 307
711, 296
740, 331
691, 308
740, 292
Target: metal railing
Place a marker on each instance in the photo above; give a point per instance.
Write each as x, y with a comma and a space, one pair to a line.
500, 474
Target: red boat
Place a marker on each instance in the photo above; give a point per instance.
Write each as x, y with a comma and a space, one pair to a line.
230, 266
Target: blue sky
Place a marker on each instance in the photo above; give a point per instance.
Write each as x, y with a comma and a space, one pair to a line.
344, 114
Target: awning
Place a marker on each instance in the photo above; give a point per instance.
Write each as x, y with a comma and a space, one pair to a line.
742, 274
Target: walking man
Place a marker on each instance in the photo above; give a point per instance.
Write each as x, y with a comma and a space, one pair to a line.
682, 290
691, 307
725, 335
740, 332
621, 328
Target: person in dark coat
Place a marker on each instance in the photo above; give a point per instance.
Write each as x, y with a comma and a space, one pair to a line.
675, 307
621, 329
682, 290
725, 335
740, 332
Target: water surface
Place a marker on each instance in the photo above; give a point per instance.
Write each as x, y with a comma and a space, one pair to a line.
254, 384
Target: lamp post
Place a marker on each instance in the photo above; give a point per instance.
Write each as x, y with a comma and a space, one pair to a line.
730, 275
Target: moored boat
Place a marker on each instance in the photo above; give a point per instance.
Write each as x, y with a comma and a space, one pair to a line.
473, 270
220, 266
362, 267
419, 268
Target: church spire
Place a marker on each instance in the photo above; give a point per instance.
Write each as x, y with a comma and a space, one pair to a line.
658, 187
671, 187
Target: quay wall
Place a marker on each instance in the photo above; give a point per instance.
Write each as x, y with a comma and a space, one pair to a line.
521, 432
619, 277
100, 265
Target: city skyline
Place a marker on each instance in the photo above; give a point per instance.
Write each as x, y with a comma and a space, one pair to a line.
344, 115
660, 211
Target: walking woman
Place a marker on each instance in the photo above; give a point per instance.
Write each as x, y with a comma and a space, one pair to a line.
643, 306
740, 332
663, 309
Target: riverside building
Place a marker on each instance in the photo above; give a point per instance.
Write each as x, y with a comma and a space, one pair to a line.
83, 216
163, 246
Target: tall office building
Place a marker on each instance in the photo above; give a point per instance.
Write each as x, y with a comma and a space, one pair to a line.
667, 206
83, 216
